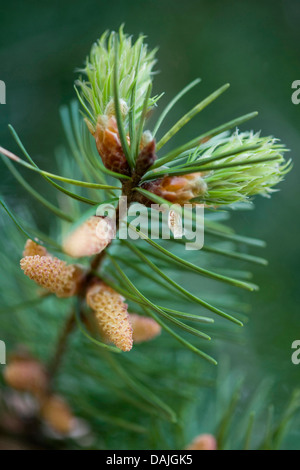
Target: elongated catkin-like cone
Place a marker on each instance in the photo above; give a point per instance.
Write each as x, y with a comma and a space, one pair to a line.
26, 375
144, 328
31, 249
111, 314
90, 238
57, 414
52, 274
203, 442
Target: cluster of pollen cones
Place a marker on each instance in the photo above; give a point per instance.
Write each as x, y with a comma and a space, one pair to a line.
110, 312
24, 373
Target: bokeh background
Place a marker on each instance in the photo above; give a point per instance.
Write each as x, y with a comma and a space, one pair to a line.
253, 45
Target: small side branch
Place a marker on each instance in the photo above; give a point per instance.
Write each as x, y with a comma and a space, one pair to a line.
61, 346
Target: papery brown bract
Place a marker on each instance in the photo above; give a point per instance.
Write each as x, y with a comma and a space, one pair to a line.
176, 189
109, 145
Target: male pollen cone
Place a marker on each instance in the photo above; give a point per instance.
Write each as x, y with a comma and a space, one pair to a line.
203, 442
178, 189
144, 328
31, 249
111, 315
57, 414
53, 274
109, 145
90, 238
26, 374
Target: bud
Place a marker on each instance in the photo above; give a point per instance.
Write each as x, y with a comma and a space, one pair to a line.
144, 328
57, 414
97, 86
31, 249
178, 189
134, 62
53, 274
111, 315
240, 179
89, 238
26, 374
109, 145
203, 442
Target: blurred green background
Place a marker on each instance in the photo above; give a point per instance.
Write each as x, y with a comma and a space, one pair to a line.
253, 45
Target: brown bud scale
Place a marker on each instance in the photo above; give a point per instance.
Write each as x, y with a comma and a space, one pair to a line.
109, 145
